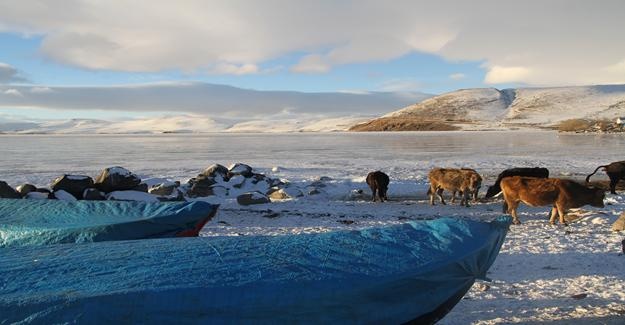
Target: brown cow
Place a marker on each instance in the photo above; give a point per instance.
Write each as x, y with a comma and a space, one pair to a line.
615, 171
465, 181
378, 182
562, 194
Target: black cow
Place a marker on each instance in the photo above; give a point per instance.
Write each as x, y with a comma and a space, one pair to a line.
519, 171
616, 172
378, 182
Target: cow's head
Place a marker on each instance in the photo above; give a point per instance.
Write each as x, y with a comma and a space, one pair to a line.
598, 195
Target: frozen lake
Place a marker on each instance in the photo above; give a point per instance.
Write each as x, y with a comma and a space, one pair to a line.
40, 158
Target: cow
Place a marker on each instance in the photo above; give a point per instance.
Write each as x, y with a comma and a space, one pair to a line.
466, 181
615, 171
469, 173
519, 171
562, 194
378, 182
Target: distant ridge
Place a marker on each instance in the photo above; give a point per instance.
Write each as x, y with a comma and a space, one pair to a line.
490, 108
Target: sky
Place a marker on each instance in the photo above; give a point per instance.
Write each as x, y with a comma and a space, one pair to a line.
356, 47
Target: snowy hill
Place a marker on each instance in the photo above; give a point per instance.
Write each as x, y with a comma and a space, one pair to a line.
488, 108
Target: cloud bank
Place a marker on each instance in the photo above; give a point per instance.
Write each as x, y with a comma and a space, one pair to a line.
9, 74
557, 42
205, 99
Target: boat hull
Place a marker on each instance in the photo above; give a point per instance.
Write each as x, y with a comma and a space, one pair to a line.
44, 222
411, 272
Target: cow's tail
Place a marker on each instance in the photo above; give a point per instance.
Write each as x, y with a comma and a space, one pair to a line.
588, 177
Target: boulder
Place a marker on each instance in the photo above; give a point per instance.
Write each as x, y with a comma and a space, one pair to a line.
116, 179
313, 191
131, 196
72, 184
93, 194
38, 195
201, 186
619, 224
25, 189
64, 196
240, 169
216, 170
166, 188
237, 181
7, 192
175, 196
284, 193
142, 187
250, 198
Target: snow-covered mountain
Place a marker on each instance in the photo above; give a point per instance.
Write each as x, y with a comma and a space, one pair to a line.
487, 108
186, 123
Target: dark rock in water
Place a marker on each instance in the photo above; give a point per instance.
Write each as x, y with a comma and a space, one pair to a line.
252, 198
72, 184
25, 189
201, 186
237, 181
163, 188
215, 170
39, 196
93, 194
240, 169
7, 192
259, 178
116, 179
142, 187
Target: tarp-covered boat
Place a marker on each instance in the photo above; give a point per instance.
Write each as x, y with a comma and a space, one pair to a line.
39, 222
415, 271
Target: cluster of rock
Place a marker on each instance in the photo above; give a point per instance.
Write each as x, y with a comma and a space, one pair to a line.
118, 183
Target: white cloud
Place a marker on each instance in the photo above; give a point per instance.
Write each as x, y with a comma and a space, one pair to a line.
499, 74
201, 98
228, 68
560, 41
40, 90
311, 64
401, 85
457, 76
9, 74
13, 92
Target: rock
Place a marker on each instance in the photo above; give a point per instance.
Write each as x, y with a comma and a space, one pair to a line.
284, 193
142, 187
219, 190
619, 224
163, 189
116, 179
7, 192
259, 178
175, 196
37, 196
131, 196
93, 194
201, 186
579, 296
64, 196
252, 198
25, 189
313, 191
215, 170
237, 181
240, 169
73, 184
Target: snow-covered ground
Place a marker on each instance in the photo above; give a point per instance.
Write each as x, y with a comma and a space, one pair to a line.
559, 274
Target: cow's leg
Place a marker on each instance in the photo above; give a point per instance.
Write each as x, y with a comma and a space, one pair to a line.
465, 198
561, 212
439, 192
512, 206
373, 193
553, 215
453, 197
613, 182
432, 192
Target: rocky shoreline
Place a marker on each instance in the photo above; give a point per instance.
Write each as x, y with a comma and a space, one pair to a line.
238, 181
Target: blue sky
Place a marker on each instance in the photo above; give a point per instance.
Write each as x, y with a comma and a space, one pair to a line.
354, 46
412, 72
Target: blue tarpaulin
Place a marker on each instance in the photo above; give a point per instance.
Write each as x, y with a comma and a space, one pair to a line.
39, 222
386, 275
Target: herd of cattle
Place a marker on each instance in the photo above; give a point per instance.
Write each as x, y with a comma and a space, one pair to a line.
531, 186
